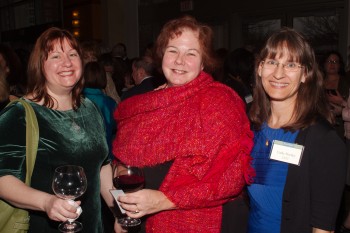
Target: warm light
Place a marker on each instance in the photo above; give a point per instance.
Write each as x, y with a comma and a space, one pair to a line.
75, 14
75, 23
76, 33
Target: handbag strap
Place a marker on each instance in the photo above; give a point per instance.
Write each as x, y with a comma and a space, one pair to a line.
32, 137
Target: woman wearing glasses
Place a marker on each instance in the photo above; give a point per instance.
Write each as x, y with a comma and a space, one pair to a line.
299, 159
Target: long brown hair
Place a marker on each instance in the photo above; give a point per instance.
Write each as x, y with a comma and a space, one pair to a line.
95, 75
36, 78
311, 102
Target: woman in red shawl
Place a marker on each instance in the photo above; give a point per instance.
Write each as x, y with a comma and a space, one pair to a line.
191, 136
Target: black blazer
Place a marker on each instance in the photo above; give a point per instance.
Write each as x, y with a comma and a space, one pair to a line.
148, 84
313, 190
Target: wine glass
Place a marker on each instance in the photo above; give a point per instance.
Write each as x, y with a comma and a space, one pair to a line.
129, 179
69, 182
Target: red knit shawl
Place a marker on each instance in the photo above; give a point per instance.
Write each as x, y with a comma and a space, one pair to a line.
203, 127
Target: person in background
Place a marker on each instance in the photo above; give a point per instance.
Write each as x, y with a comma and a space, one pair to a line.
344, 215
90, 50
14, 70
238, 73
95, 82
221, 55
299, 159
106, 61
121, 68
4, 90
238, 69
119, 52
191, 136
121, 75
336, 86
148, 54
23, 56
5, 94
143, 75
149, 50
71, 131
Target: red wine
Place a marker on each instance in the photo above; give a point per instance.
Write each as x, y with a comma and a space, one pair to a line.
129, 183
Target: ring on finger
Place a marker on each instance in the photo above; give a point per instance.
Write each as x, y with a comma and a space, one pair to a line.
137, 210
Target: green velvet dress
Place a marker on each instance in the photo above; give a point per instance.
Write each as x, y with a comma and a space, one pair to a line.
66, 137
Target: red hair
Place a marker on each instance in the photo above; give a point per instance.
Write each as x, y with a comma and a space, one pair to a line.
175, 27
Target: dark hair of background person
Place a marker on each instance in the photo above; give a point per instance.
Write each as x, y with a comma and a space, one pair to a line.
106, 59
90, 50
219, 73
175, 27
121, 71
144, 63
311, 102
16, 75
241, 63
148, 54
23, 55
36, 77
149, 50
119, 50
4, 90
341, 62
95, 75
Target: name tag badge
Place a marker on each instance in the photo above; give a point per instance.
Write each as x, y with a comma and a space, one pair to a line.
248, 98
286, 152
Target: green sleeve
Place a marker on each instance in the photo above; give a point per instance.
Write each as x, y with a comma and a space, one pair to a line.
13, 141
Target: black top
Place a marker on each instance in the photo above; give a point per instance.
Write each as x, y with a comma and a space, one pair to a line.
313, 190
154, 177
148, 84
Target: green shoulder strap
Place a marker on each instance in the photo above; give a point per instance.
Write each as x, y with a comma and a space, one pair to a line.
32, 137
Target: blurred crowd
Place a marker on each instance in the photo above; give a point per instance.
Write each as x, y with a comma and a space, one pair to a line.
231, 141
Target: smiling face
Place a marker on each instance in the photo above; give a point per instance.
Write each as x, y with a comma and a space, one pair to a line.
280, 85
63, 68
182, 60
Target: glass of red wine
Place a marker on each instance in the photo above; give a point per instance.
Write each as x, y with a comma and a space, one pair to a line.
129, 179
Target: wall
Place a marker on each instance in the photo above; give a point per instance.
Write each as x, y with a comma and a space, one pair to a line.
121, 24
136, 23
229, 18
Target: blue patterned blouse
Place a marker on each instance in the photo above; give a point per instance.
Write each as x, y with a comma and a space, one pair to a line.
267, 190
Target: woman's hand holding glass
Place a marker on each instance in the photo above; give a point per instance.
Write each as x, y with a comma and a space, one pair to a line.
69, 182
129, 179
59, 209
148, 201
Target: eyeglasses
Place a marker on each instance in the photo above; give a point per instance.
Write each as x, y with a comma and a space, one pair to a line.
289, 66
333, 62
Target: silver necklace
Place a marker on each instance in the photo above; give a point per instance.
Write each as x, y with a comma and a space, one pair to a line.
74, 126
